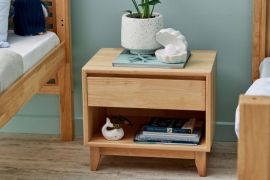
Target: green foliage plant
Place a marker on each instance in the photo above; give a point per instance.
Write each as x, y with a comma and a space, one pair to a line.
145, 9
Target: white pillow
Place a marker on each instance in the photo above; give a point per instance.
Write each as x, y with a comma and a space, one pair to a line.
265, 68
4, 13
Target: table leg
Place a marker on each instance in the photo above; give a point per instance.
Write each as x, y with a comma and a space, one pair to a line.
94, 158
201, 163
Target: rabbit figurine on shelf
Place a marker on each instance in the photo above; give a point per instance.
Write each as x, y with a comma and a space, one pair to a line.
116, 133
112, 130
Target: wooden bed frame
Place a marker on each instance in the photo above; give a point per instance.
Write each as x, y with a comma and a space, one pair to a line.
254, 140
52, 75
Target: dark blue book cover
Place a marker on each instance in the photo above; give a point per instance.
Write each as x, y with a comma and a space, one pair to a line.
166, 125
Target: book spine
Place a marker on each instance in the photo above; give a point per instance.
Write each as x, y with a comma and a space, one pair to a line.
166, 130
155, 129
166, 142
182, 131
166, 138
147, 133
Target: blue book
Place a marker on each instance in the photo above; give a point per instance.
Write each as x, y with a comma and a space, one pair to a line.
126, 59
167, 125
171, 138
166, 142
166, 130
195, 137
139, 139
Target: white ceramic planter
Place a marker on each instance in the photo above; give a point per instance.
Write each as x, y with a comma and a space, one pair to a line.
139, 35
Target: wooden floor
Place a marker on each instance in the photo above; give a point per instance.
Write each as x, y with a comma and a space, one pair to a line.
29, 156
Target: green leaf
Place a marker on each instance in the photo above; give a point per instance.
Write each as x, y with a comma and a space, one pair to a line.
128, 11
136, 6
152, 3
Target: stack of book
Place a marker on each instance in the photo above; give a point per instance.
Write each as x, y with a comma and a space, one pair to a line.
171, 131
126, 59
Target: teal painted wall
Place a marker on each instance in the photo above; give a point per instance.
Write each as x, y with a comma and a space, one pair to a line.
224, 25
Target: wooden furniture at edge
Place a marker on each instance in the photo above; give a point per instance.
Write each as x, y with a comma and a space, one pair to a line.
254, 140
56, 66
140, 92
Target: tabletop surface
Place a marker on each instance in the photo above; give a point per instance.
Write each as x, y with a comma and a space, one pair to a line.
200, 63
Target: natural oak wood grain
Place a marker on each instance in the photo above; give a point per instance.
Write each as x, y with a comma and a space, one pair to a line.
140, 93
210, 107
261, 34
95, 158
201, 163
47, 89
200, 64
65, 74
146, 93
159, 153
58, 61
128, 143
66, 104
254, 142
87, 131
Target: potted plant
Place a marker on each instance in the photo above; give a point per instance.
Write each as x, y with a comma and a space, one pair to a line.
139, 28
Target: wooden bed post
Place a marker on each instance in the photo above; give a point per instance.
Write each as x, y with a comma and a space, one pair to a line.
261, 34
254, 141
65, 73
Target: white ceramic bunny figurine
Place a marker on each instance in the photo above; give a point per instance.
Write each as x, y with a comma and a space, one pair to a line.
114, 134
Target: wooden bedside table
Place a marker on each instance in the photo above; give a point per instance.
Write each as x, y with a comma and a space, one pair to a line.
141, 93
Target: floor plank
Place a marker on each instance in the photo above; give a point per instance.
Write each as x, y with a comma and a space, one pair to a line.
31, 156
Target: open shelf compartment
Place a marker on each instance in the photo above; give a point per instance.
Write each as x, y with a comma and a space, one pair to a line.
135, 116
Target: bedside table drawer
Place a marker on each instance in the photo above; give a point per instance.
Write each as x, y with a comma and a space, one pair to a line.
146, 93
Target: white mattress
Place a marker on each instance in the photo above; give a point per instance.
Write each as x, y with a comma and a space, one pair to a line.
32, 48
11, 68
260, 87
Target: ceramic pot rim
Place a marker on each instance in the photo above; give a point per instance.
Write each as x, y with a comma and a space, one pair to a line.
157, 16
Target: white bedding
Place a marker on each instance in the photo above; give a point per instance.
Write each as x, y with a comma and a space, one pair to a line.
24, 53
32, 48
260, 87
11, 68
265, 68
